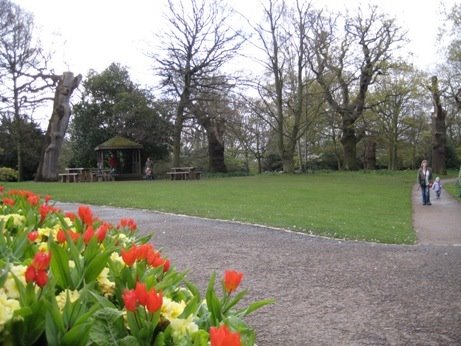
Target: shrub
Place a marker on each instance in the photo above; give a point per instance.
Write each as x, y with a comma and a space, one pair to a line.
8, 174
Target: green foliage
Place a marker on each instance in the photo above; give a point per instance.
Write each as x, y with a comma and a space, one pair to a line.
31, 139
76, 280
114, 105
8, 174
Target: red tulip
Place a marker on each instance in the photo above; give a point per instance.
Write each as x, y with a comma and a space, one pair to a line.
85, 214
154, 301
166, 265
47, 198
129, 223
102, 231
232, 280
70, 215
33, 200
41, 260
222, 336
61, 236
8, 201
30, 274
130, 300
141, 293
32, 236
129, 256
41, 278
88, 234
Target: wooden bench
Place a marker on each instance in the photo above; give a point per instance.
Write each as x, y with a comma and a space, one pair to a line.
178, 175
184, 173
67, 177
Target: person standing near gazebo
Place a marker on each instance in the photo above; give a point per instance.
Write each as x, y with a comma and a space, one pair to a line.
149, 169
113, 164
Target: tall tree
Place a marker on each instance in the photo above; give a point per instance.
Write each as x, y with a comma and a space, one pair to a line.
31, 142
439, 130
112, 105
393, 100
22, 66
211, 110
195, 46
347, 61
283, 40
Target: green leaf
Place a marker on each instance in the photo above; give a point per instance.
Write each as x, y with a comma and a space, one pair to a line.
214, 306
60, 266
77, 335
108, 328
160, 339
95, 266
200, 338
54, 325
255, 306
192, 306
129, 340
234, 301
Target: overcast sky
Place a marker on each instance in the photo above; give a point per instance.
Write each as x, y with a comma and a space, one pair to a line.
91, 34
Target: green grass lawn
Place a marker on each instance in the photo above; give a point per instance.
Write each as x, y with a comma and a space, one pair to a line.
351, 205
453, 189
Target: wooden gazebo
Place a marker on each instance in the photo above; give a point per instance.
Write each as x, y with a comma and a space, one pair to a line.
127, 154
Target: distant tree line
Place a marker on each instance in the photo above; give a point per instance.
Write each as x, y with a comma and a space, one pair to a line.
331, 91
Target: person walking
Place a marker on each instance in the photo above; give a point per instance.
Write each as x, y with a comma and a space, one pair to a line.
424, 179
437, 187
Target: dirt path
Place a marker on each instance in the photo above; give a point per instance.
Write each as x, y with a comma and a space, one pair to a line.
328, 292
440, 223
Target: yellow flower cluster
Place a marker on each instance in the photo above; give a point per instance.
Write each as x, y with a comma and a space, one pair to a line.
106, 286
61, 298
172, 309
8, 307
9, 287
18, 220
48, 232
182, 327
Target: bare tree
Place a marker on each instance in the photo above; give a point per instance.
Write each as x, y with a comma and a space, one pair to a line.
211, 109
283, 40
57, 127
346, 62
395, 96
22, 65
197, 44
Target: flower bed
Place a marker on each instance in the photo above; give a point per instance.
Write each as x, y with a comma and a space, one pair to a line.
73, 279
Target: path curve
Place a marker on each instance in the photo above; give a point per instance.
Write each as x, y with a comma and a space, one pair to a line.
439, 223
327, 292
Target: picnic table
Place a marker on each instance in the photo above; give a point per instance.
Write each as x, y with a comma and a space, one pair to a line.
80, 174
71, 174
184, 173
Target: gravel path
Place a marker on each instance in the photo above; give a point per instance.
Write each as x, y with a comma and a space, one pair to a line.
327, 292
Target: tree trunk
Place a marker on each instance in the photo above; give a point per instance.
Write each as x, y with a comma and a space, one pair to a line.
369, 159
215, 135
439, 131
288, 166
349, 142
57, 127
177, 141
